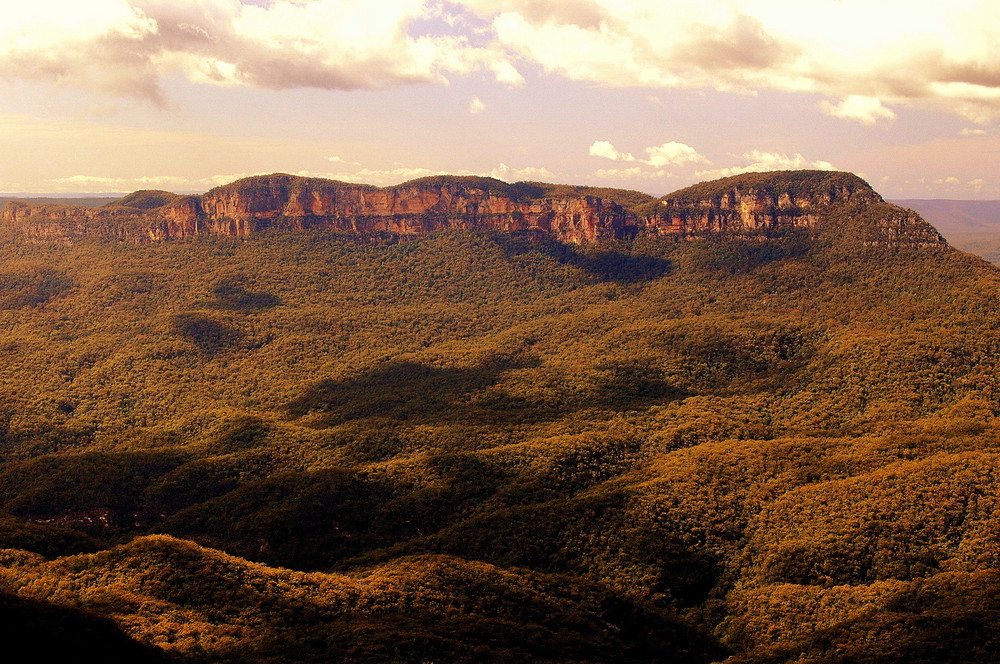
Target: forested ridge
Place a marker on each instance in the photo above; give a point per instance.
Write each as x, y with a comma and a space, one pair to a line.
485, 447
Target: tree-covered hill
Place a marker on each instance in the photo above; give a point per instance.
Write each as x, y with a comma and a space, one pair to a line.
477, 446
972, 226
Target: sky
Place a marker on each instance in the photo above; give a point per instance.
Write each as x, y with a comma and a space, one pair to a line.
101, 96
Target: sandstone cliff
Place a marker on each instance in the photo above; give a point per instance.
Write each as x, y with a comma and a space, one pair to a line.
747, 204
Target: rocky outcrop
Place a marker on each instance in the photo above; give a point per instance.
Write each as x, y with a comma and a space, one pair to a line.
413, 208
746, 204
63, 222
754, 202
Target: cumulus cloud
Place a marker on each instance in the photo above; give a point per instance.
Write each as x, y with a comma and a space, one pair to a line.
606, 150
506, 73
866, 110
476, 106
890, 52
508, 174
869, 56
673, 154
95, 43
954, 183
125, 47
666, 154
759, 161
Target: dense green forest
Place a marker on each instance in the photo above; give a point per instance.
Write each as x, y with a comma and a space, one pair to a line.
477, 447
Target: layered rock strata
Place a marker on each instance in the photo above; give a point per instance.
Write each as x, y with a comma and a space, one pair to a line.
746, 204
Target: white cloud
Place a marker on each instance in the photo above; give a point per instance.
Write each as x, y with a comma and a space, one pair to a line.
953, 183
506, 73
382, 177
968, 131
606, 150
476, 106
666, 154
866, 110
96, 43
125, 47
867, 55
758, 161
673, 154
508, 174
891, 51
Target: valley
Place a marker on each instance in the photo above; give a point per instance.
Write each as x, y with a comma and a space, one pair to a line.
752, 422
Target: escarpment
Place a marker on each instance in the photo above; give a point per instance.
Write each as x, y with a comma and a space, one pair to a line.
746, 204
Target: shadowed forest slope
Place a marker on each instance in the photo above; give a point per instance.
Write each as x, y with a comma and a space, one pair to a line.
492, 447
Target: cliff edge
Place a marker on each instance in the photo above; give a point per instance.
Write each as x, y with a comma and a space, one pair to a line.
751, 203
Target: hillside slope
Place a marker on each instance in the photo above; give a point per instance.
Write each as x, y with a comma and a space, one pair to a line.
772, 445
972, 226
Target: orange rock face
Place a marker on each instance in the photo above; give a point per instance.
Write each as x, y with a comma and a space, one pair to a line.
404, 210
249, 206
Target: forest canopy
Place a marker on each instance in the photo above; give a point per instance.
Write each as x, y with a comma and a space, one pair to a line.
473, 446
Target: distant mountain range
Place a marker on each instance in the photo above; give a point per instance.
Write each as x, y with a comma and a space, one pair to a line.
972, 226
83, 200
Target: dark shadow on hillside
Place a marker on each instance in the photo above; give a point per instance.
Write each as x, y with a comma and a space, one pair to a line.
233, 295
535, 533
413, 392
315, 519
740, 255
601, 264
30, 289
209, 334
94, 493
48, 539
409, 391
630, 385
51, 633
942, 623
